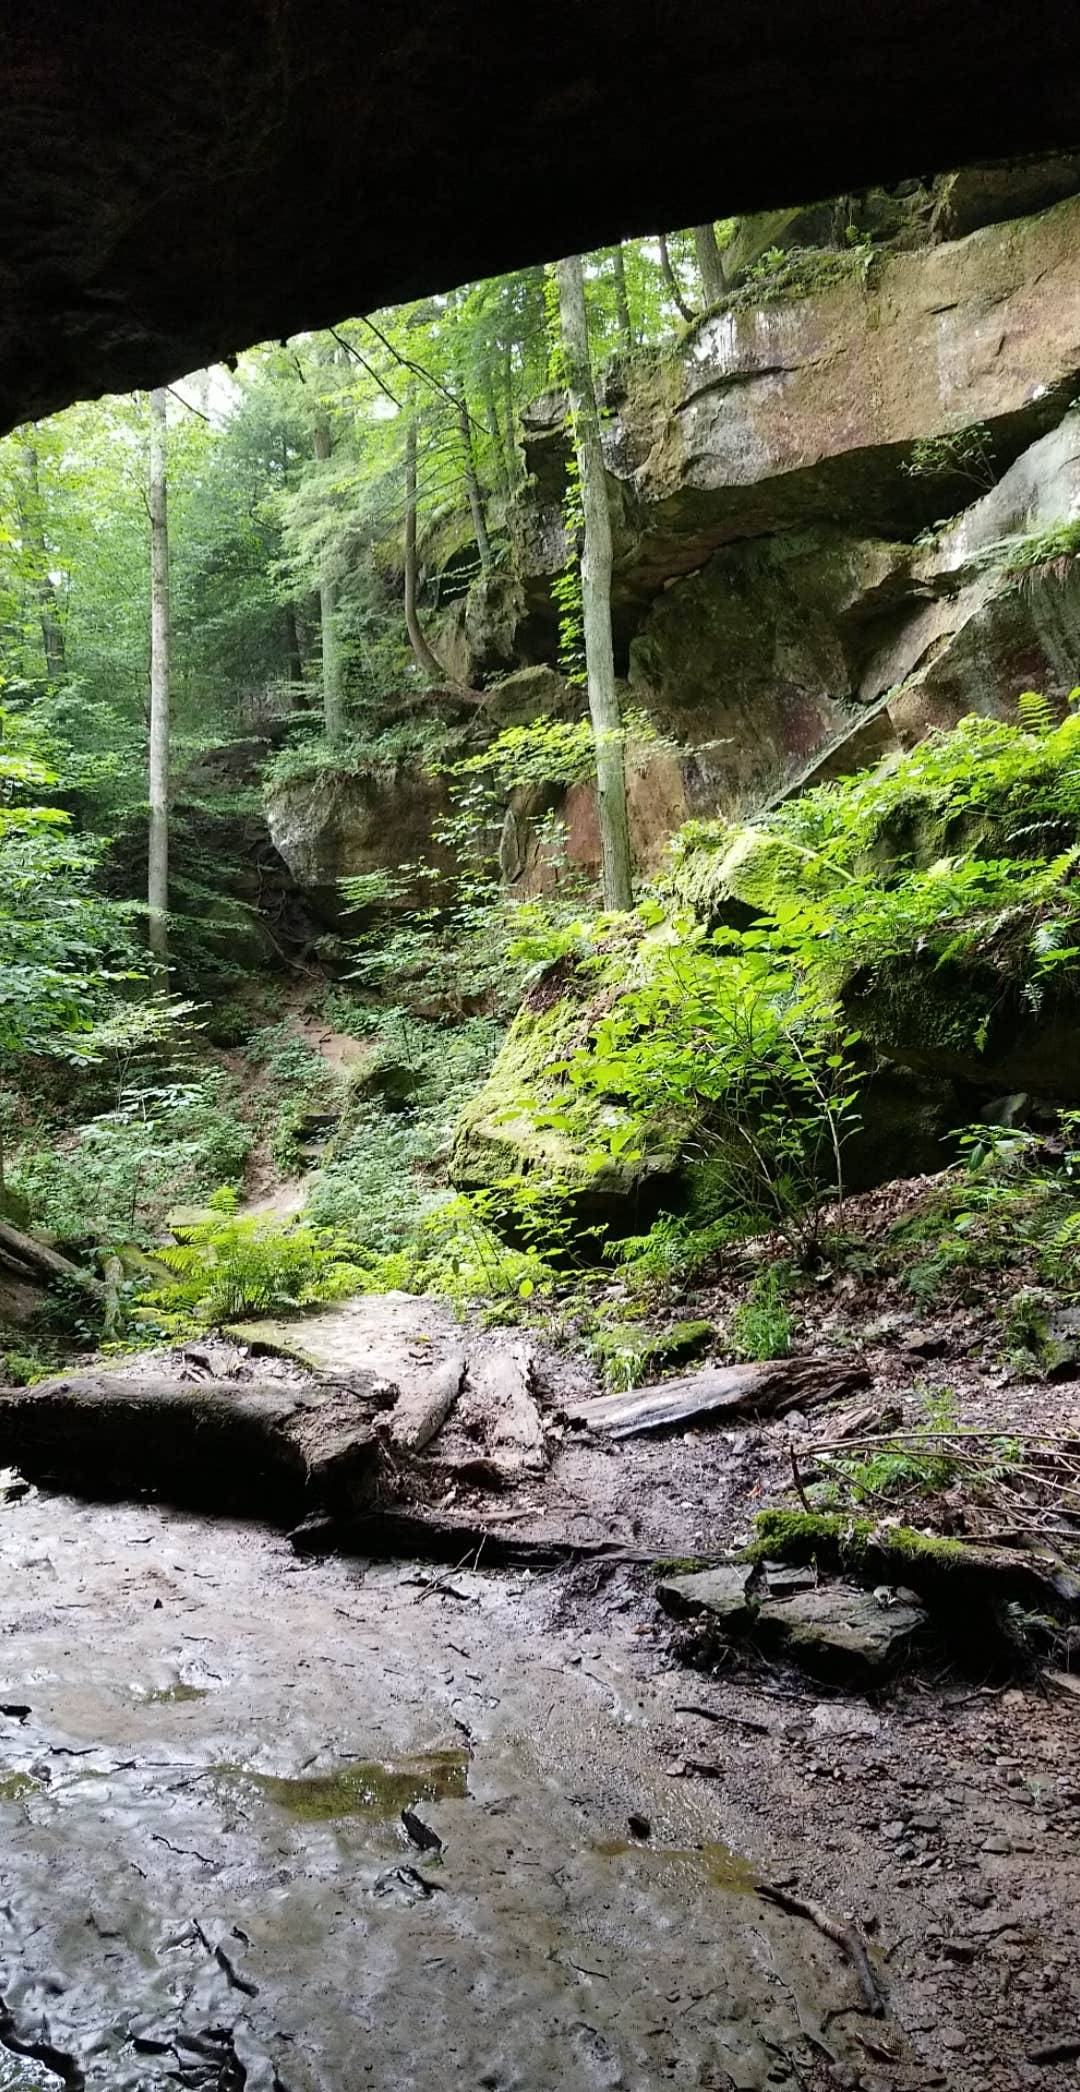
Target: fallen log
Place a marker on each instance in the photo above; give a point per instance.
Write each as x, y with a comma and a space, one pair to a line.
47, 1263
419, 1413
766, 1388
218, 1445
499, 1409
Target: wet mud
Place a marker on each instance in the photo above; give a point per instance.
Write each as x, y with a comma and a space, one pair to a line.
205, 1878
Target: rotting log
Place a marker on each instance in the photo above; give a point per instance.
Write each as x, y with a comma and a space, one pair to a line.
37, 1258
247, 1446
419, 1414
765, 1388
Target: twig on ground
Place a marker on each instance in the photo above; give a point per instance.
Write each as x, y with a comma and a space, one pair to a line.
844, 1936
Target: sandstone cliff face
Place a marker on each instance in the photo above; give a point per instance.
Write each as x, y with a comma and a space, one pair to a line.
785, 608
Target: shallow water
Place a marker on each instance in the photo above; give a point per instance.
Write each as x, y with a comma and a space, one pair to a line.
208, 1881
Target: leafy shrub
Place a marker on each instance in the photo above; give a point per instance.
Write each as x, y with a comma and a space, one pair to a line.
763, 1326
164, 1144
965, 453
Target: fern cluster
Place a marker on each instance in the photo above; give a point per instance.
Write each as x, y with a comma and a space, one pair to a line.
230, 1265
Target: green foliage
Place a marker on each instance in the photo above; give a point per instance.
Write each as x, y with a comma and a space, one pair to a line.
383, 1173
1036, 713
629, 1352
966, 453
763, 1326
783, 274
1040, 548
547, 751
229, 1265
719, 1033
113, 1181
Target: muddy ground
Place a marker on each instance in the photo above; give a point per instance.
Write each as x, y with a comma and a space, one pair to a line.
207, 1739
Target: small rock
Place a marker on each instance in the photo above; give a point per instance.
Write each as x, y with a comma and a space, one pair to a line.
839, 1630
721, 1592
996, 1842
832, 1718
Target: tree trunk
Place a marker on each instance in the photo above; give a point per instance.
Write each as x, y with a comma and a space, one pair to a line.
622, 299
511, 415
33, 524
293, 657
158, 879
710, 266
671, 279
426, 658
596, 563
491, 409
472, 484
333, 677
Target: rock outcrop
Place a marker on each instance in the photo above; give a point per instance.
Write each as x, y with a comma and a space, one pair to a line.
788, 604
331, 826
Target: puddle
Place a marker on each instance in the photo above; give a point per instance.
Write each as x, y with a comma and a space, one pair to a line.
154, 1896
171, 1695
721, 1868
376, 1788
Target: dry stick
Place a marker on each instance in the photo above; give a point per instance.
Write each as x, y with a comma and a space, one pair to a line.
796, 1477
844, 1936
736, 1721
365, 365
421, 371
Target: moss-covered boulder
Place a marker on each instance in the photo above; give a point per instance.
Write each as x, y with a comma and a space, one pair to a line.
530, 1126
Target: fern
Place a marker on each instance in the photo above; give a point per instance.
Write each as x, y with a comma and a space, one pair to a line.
1036, 713
230, 1265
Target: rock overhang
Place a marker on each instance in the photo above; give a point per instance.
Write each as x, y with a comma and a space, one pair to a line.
184, 180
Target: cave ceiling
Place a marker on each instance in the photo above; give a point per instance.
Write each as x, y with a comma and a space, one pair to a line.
180, 181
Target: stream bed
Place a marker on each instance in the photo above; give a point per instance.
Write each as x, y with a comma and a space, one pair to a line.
205, 1749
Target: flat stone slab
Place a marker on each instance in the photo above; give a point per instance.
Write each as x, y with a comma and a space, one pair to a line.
839, 1629
723, 1592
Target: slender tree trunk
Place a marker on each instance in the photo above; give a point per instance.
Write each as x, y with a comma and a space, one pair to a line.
671, 279
33, 524
294, 660
333, 675
472, 486
511, 413
492, 410
596, 564
158, 878
622, 298
426, 657
710, 266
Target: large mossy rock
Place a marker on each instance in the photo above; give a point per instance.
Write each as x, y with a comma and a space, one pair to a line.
501, 1141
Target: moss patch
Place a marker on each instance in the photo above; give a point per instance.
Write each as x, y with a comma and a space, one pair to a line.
373, 1788
14, 1785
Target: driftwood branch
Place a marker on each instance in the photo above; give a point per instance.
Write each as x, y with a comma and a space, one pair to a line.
768, 1388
